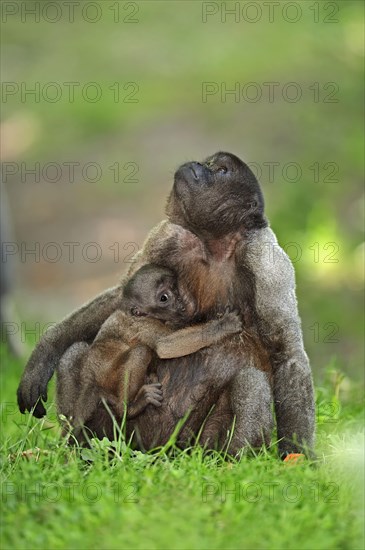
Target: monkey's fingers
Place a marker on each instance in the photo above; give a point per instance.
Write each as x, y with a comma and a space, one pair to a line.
153, 401
32, 404
231, 323
157, 394
39, 410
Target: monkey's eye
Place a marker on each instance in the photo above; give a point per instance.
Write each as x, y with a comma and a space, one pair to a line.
135, 311
222, 170
164, 297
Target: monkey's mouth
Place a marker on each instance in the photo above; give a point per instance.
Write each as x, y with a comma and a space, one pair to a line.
135, 312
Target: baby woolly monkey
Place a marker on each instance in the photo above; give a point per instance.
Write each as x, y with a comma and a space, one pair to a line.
114, 366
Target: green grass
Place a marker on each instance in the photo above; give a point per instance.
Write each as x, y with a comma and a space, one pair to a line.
57, 497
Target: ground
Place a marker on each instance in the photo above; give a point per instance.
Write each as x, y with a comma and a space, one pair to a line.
112, 497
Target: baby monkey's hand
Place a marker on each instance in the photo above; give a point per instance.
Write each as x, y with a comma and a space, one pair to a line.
229, 322
148, 394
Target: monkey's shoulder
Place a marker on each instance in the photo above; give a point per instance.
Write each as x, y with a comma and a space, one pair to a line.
263, 252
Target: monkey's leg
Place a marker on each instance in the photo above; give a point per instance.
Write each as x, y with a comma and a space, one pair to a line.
191, 389
133, 372
278, 310
68, 378
294, 405
217, 426
234, 367
86, 402
132, 388
101, 376
228, 367
79, 393
113, 371
191, 339
251, 399
83, 324
203, 382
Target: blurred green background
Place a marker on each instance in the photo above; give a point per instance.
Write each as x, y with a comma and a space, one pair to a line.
160, 54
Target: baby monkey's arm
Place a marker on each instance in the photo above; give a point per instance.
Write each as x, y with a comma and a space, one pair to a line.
191, 339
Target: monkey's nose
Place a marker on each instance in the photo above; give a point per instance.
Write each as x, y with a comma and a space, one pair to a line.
197, 170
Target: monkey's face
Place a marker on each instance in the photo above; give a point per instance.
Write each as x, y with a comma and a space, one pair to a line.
153, 292
164, 302
217, 196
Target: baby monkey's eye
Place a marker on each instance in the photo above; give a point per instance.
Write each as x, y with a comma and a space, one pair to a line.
164, 297
135, 311
222, 170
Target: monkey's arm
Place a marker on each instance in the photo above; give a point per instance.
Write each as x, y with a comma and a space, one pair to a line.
191, 339
114, 371
81, 325
131, 387
280, 324
117, 364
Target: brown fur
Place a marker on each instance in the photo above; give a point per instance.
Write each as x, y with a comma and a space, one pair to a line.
114, 367
212, 203
202, 382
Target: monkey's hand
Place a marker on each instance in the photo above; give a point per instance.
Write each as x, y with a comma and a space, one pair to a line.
149, 394
82, 325
229, 323
32, 389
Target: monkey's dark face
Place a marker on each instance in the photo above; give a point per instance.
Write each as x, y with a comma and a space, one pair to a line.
152, 292
217, 196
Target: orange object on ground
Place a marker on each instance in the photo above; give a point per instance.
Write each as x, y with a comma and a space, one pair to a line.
293, 457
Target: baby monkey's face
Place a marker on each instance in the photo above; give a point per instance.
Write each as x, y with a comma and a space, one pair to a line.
153, 292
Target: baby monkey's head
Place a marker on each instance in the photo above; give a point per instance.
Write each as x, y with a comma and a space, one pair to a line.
153, 292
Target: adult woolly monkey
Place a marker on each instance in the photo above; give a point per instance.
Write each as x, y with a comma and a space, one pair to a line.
216, 208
